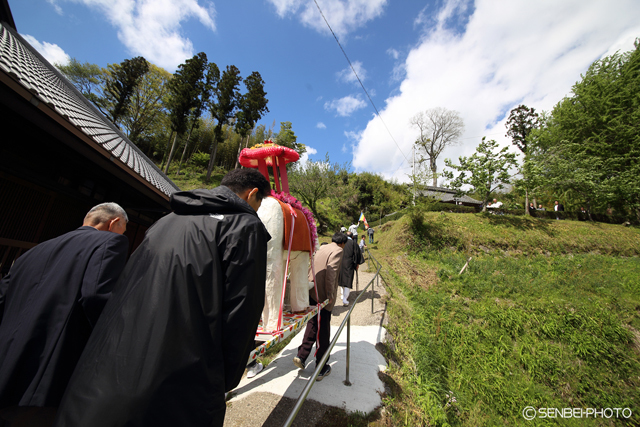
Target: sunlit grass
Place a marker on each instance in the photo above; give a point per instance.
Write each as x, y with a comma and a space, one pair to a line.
554, 330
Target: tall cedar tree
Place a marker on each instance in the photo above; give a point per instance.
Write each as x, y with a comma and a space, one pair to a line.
252, 105
211, 79
227, 95
120, 82
186, 89
522, 120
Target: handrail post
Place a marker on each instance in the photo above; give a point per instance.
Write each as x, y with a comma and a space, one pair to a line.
346, 381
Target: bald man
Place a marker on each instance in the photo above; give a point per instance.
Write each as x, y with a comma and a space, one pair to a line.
49, 302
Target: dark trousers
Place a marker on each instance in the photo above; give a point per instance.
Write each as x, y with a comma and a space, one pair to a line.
311, 332
370, 238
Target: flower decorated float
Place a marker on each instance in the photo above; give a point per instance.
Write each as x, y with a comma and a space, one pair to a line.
293, 241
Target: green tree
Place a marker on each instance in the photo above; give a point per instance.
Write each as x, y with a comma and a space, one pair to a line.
252, 106
486, 170
313, 181
439, 128
286, 137
146, 118
188, 95
120, 81
522, 120
227, 95
201, 103
594, 135
86, 77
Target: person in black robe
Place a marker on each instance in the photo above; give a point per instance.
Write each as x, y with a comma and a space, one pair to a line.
350, 262
49, 302
177, 332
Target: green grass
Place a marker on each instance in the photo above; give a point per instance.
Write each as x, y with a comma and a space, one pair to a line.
434, 231
192, 178
555, 330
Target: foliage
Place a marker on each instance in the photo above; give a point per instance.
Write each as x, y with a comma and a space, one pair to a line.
146, 118
591, 140
439, 128
200, 159
251, 106
288, 138
189, 89
120, 81
311, 182
522, 120
85, 77
485, 170
227, 95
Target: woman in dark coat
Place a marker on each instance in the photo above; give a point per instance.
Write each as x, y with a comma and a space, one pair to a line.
350, 261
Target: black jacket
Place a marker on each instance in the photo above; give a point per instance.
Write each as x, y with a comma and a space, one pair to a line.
52, 298
177, 332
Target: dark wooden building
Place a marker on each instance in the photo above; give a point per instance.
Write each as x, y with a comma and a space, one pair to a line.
59, 156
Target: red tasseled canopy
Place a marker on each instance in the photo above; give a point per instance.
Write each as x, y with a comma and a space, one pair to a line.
270, 154
249, 156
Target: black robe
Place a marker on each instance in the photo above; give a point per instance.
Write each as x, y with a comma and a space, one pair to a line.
177, 332
51, 299
350, 258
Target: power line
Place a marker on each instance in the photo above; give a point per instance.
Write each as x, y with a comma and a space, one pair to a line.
359, 81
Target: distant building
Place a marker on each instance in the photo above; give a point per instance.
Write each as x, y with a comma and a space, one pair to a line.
59, 156
447, 195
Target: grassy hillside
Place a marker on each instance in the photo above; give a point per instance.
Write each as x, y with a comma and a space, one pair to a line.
546, 315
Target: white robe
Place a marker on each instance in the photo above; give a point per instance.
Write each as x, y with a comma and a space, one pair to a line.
272, 217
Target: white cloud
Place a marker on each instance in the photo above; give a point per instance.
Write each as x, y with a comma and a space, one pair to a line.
345, 106
344, 16
347, 75
305, 156
321, 125
498, 61
393, 53
52, 52
56, 6
151, 28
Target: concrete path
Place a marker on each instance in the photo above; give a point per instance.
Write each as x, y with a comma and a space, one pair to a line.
260, 400
281, 377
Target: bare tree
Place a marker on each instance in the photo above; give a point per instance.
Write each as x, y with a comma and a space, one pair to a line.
439, 128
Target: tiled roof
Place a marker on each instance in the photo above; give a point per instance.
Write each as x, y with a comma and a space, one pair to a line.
34, 73
448, 195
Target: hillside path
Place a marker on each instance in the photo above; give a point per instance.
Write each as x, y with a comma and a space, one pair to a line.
267, 399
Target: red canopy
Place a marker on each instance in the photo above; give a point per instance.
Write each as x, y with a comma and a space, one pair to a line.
269, 154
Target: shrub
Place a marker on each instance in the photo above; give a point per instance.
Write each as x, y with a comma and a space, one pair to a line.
200, 159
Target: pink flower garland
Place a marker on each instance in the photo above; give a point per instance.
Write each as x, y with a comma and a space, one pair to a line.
290, 200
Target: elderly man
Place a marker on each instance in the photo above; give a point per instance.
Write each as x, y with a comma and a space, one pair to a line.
326, 262
49, 303
177, 332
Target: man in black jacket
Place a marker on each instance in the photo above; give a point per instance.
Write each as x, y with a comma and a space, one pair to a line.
177, 332
49, 303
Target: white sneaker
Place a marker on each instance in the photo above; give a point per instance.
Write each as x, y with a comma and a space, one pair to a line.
254, 370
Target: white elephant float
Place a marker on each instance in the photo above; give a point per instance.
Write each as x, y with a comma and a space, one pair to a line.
272, 215
275, 213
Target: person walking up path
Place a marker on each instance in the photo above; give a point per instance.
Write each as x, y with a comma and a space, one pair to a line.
267, 400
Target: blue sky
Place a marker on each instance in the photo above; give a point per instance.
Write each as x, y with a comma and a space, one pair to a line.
479, 58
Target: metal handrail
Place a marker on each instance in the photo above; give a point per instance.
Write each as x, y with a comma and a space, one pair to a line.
347, 321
